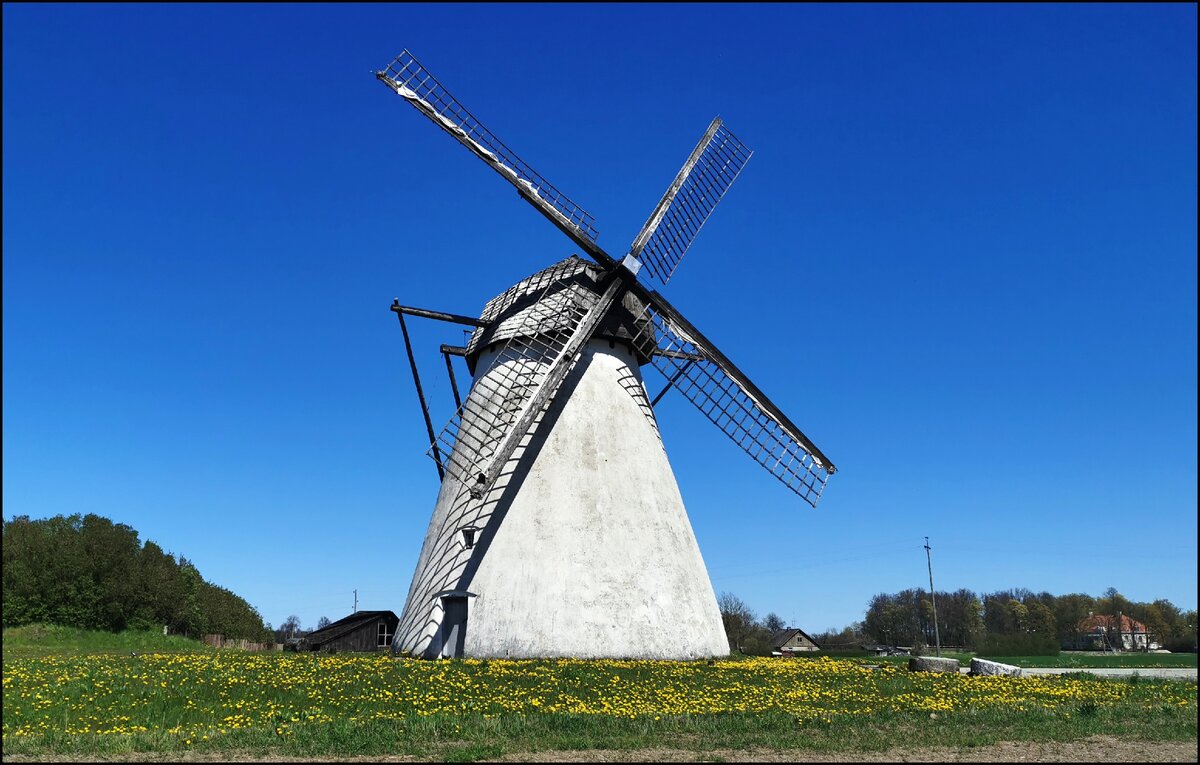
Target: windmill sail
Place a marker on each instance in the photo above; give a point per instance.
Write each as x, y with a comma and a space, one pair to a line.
526, 371
707, 174
734, 404
419, 87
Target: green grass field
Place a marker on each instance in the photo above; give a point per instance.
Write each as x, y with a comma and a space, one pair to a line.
52, 640
1099, 660
111, 704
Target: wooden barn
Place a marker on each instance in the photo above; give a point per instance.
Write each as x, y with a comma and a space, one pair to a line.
790, 641
360, 631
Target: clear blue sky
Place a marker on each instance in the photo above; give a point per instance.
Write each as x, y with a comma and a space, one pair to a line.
962, 259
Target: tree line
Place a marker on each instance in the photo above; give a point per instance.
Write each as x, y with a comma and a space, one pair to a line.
87, 572
292, 628
1012, 616
1006, 622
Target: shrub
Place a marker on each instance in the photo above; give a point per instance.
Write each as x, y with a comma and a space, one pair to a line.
1023, 644
1185, 644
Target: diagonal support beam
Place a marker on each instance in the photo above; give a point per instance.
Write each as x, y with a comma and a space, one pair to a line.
437, 456
439, 315
453, 382
670, 383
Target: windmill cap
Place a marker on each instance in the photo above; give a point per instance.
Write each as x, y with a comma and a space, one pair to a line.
541, 304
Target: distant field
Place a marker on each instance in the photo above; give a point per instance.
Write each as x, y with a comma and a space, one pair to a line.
48, 640
226, 703
1067, 659
1093, 660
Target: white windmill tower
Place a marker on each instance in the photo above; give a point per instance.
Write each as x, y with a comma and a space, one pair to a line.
559, 529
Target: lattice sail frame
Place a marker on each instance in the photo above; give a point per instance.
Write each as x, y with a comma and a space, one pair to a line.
708, 173
419, 87
697, 374
514, 375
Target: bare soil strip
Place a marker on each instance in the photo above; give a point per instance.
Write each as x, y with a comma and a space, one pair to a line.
1094, 749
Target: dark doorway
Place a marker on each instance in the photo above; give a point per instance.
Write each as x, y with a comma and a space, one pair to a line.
454, 626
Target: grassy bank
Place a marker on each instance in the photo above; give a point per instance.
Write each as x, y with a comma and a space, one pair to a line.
313, 705
52, 640
1099, 660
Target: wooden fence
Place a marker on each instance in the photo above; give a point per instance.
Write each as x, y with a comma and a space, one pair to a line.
219, 641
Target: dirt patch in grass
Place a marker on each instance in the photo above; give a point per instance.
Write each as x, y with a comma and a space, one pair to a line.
1093, 749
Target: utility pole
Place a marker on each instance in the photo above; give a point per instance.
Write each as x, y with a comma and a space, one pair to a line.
356, 601
933, 598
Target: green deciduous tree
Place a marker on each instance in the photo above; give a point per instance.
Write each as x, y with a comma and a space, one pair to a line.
86, 571
737, 619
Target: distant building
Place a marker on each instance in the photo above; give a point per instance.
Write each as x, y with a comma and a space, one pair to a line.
791, 640
1100, 633
360, 631
879, 649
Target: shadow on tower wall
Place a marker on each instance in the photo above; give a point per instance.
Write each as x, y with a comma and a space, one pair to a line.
449, 566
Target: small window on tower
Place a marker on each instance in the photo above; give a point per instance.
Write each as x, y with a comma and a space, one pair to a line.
468, 536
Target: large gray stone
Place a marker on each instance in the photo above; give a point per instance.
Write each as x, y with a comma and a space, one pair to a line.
986, 667
932, 664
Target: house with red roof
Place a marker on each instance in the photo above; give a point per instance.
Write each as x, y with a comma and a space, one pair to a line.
1113, 633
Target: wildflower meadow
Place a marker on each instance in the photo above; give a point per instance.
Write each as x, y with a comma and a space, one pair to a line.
313, 703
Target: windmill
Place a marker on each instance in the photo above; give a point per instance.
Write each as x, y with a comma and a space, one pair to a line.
559, 529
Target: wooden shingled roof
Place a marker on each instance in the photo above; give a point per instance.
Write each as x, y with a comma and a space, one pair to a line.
541, 304
779, 637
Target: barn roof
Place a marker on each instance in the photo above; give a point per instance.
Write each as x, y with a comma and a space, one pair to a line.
335, 630
779, 637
